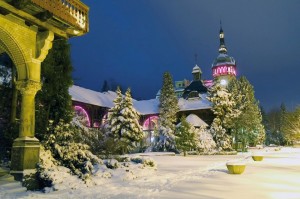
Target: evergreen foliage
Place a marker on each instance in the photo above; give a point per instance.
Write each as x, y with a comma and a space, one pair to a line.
291, 126
206, 144
247, 127
63, 140
105, 86
53, 102
274, 121
168, 109
186, 137
223, 106
123, 123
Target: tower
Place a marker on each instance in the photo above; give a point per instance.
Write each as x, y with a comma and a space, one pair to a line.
224, 66
196, 87
196, 73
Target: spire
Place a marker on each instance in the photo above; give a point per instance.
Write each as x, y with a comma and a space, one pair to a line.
222, 48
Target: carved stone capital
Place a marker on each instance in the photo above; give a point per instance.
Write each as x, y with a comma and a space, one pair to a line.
28, 87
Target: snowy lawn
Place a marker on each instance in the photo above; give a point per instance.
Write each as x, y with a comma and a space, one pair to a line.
277, 176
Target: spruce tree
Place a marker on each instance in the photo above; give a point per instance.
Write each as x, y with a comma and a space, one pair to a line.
223, 107
53, 101
186, 137
168, 109
247, 126
124, 123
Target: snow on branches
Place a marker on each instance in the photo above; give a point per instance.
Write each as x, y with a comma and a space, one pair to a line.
123, 123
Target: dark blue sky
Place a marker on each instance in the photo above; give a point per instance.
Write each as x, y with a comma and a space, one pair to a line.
133, 42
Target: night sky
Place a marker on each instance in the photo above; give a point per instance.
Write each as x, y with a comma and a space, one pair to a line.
133, 42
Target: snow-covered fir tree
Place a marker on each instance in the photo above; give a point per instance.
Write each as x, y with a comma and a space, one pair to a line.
186, 137
168, 108
123, 123
223, 106
247, 127
206, 141
65, 144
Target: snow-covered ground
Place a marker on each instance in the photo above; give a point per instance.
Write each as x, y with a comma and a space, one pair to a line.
277, 176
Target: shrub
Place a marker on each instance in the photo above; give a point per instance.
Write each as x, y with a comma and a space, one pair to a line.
62, 141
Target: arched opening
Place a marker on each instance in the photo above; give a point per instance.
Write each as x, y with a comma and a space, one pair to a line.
11, 48
82, 116
149, 126
9, 109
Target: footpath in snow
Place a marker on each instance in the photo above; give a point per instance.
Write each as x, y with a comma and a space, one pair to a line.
277, 176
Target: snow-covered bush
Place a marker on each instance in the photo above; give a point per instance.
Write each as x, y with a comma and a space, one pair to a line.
146, 162
206, 142
112, 164
48, 173
63, 142
137, 160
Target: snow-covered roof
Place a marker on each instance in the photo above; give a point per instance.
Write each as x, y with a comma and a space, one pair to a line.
88, 96
185, 105
147, 107
144, 107
195, 120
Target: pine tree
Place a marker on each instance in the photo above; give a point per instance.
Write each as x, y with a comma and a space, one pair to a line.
168, 108
53, 101
223, 106
124, 123
186, 137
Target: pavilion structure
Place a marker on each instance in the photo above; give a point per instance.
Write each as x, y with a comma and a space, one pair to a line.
27, 31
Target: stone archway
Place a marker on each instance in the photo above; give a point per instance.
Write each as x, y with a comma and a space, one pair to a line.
27, 47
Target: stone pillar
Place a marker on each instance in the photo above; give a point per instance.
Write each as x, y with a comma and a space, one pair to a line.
26, 148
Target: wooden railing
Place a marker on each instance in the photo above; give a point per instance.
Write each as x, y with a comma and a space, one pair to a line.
73, 12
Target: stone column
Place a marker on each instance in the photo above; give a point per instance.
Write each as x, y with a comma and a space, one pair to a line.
26, 148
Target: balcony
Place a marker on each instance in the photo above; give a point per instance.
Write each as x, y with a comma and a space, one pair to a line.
65, 18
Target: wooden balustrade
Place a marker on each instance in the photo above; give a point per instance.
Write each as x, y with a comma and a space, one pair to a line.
73, 12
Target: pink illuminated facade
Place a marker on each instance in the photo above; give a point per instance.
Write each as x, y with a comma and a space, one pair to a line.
149, 125
224, 70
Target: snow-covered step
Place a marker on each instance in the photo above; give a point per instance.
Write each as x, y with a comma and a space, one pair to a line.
3, 171
6, 178
16, 190
11, 187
